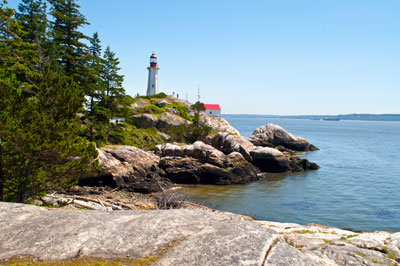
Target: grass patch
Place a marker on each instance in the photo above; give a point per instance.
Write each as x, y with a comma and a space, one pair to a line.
326, 241
158, 95
303, 232
360, 254
378, 262
392, 255
349, 236
142, 138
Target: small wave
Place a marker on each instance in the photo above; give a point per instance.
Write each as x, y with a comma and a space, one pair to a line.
299, 205
385, 214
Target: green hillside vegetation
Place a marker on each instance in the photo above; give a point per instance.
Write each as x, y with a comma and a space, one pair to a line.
147, 138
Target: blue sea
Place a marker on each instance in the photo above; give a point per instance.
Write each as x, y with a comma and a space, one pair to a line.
357, 186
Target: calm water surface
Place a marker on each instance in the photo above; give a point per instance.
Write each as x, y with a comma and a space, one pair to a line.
356, 187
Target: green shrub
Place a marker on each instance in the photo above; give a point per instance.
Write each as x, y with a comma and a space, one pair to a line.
183, 111
150, 109
158, 96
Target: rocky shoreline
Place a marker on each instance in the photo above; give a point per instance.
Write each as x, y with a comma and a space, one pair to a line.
129, 216
221, 159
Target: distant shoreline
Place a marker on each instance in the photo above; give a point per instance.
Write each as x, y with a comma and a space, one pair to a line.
354, 117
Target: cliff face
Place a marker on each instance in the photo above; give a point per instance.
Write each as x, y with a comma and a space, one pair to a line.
184, 237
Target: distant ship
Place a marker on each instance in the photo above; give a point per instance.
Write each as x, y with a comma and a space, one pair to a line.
330, 119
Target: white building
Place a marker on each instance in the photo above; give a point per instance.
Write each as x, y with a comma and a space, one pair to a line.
152, 84
116, 120
213, 109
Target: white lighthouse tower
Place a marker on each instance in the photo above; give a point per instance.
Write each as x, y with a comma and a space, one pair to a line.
152, 84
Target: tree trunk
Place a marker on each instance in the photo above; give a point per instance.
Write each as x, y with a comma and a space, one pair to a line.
25, 189
1, 175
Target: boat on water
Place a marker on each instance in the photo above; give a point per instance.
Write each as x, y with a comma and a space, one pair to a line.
330, 119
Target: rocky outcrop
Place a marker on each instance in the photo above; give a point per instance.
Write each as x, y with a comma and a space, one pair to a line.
218, 124
129, 168
200, 163
232, 143
186, 237
265, 158
198, 150
159, 122
272, 135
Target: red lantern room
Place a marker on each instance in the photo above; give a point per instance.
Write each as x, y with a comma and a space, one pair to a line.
153, 60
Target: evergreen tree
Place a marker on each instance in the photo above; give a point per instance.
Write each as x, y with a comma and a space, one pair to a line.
98, 116
95, 86
70, 51
41, 147
112, 80
33, 19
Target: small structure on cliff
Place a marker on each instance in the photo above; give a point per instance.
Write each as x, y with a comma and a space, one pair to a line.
152, 84
213, 109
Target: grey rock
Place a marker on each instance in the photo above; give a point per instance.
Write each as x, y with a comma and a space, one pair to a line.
200, 237
188, 170
138, 104
283, 254
275, 135
144, 120
194, 237
162, 103
129, 168
198, 150
232, 143
206, 165
218, 124
270, 160
159, 122
265, 158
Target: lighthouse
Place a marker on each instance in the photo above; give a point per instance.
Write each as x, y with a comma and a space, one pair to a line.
152, 84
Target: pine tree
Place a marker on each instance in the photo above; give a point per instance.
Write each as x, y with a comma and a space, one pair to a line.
70, 51
112, 80
33, 19
41, 147
98, 116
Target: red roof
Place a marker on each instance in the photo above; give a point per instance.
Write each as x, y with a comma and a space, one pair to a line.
153, 56
212, 107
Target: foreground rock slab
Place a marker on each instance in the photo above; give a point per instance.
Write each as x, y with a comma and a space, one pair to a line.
200, 237
191, 237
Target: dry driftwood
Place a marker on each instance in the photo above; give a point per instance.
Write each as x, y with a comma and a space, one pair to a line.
103, 203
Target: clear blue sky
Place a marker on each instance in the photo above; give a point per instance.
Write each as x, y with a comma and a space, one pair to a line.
261, 57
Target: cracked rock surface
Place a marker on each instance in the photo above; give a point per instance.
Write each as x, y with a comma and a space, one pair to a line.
197, 237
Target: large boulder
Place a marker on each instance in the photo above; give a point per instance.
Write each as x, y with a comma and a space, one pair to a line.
274, 135
270, 160
198, 150
218, 124
273, 160
232, 143
161, 121
188, 170
200, 163
129, 168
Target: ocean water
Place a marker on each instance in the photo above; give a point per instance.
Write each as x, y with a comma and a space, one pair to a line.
357, 186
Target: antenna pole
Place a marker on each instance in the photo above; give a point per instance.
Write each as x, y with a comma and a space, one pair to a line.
198, 93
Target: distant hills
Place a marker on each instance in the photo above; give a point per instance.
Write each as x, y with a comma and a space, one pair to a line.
365, 117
